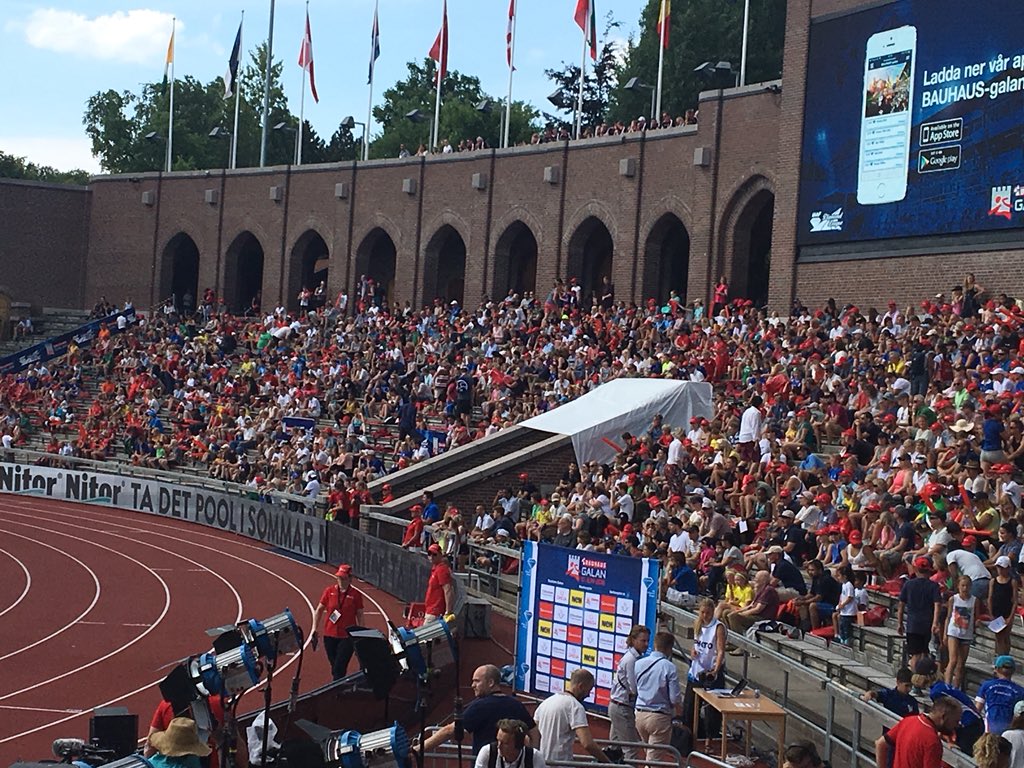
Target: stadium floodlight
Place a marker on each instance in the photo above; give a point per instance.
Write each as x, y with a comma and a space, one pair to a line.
386, 748
229, 674
558, 99
219, 133
154, 136
635, 84
415, 116
485, 106
271, 637
416, 648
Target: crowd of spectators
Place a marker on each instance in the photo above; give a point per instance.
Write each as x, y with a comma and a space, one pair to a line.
561, 133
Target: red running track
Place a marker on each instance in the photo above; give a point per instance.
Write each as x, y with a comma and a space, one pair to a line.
96, 603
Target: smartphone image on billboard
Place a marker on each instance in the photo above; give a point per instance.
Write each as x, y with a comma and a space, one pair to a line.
884, 160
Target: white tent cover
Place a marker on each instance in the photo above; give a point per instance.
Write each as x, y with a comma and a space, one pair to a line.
597, 420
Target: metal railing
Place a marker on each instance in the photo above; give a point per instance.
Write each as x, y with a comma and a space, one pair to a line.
448, 752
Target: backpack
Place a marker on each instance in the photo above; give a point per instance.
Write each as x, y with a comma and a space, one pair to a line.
492, 759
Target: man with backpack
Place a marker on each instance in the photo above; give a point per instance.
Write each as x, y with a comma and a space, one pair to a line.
510, 749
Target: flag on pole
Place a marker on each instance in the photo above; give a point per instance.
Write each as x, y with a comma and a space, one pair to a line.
508, 32
170, 56
587, 20
439, 50
374, 44
665, 22
231, 76
306, 58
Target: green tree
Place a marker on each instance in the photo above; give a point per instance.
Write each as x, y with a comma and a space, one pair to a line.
459, 120
598, 84
700, 30
12, 167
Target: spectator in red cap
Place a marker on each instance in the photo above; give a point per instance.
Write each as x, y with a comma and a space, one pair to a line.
917, 614
343, 605
440, 597
413, 537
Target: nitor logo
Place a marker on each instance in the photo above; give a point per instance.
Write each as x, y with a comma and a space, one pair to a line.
827, 222
1000, 203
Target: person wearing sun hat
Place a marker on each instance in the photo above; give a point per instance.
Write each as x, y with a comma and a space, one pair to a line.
178, 746
996, 697
342, 604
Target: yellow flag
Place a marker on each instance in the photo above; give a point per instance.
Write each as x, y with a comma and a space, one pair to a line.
170, 54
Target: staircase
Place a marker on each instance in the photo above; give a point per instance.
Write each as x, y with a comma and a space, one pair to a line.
46, 324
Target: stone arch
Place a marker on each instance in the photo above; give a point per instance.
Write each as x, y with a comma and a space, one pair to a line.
515, 261
243, 272
308, 265
666, 259
179, 272
376, 259
444, 266
747, 240
590, 254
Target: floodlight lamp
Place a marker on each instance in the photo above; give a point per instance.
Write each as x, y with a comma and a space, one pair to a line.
557, 99
219, 133
636, 84
273, 636
154, 136
419, 643
724, 66
386, 748
416, 116
484, 106
225, 674
349, 123
705, 69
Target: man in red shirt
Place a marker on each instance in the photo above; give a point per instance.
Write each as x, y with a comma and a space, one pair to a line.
440, 599
916, 740
163, 715
343, 605
414, 530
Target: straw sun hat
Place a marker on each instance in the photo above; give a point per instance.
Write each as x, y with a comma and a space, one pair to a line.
181, 738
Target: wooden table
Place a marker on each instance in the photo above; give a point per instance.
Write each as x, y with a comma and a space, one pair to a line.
744, 708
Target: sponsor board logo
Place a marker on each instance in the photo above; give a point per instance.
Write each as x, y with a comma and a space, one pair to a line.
1000, 203
822, 221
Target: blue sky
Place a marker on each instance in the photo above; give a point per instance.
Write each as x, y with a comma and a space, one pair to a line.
56, 54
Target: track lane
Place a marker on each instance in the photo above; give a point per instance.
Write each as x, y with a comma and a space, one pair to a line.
9, 581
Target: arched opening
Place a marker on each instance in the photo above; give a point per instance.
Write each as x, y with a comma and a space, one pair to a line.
515, 262
179, 273
752, 248
308, 267
667, 260
444, 268
590, 257
243, 277
375, 267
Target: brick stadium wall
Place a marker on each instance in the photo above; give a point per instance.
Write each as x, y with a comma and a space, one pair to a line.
752, 137
43, 234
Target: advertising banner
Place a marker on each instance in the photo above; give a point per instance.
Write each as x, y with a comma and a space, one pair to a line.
293, 531
912, 122
575, 610
59, 345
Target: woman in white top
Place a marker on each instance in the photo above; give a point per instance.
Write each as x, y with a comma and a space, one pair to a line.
1015, 735
963, 613
707, 659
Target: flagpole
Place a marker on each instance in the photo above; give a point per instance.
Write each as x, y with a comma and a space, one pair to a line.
170, 112
743, 52
266, 88
238, 97
661, 56
579, 97
442, 56
369, 104
511, 69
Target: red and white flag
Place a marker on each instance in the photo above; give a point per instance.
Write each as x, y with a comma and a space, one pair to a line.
306, 58
508, 33
586, 19
439, 50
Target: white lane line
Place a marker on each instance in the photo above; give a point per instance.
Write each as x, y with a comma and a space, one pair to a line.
116, 651
28, 582
113, 624
41, 709
176, 536
79, 617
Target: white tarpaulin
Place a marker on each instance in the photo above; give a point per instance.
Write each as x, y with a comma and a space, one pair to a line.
597, 420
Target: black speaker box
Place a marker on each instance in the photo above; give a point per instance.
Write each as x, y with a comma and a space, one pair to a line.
115, 729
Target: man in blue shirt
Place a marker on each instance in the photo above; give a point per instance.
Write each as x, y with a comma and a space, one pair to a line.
996, 697
658, 696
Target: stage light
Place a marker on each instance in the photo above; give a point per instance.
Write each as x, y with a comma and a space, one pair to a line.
273, 636
229, 673
386, 748
414, 645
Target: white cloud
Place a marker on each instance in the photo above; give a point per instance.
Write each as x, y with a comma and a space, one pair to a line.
138, 36
60, 152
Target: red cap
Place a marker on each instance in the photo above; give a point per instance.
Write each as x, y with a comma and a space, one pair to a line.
433, 549
923, 563
654, 501
416, 508
856, 537
344, 570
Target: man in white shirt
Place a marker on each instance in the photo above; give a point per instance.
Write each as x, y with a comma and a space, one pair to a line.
561, 720
509, 750
751, 425
680, 539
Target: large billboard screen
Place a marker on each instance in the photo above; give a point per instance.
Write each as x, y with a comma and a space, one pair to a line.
914, 122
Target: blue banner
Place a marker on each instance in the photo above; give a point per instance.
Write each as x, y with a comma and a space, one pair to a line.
576, 609
912, 122
58, 346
